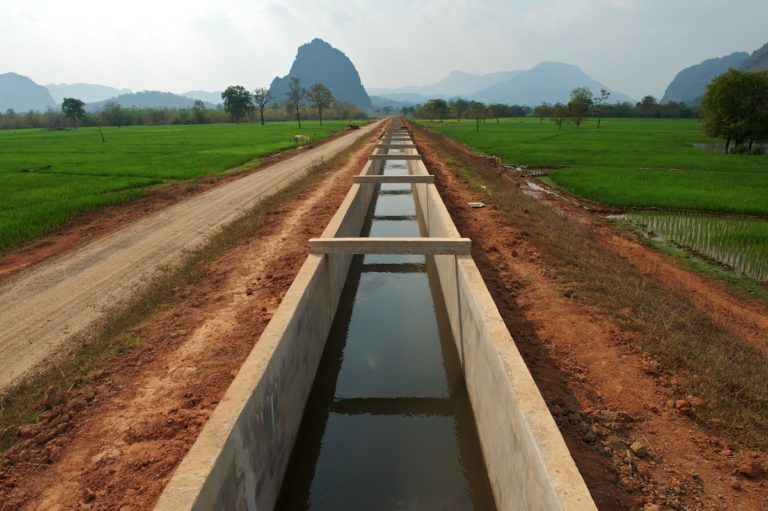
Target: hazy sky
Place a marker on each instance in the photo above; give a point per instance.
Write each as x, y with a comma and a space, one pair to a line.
633, 46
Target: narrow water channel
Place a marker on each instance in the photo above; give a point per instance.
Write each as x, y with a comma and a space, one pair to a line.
388, 424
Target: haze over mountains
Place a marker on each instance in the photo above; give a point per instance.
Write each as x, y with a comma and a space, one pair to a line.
20, 93
758, 61
457, 83
549, 81
690, 84
86, 92
146, 99
213, 98
319, 62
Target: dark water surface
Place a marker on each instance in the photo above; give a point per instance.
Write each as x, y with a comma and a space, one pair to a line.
388, 425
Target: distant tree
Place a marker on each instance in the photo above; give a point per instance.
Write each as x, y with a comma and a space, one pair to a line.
475, 108
387, 110
735, 107
460, 107
542, 111
600, 102
437, 108
113, 114
518, 110
580, 103
478, 111
320, 97
624, 109
647, 107
478, 117
261, 97
559, 114
296, 98
498, 110
74, 110
237, 101
199, 111
408, 110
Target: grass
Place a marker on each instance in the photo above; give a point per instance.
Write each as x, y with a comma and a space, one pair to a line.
714, 191
645, 163
708, 361
85, 173
628, 162
740, 243
23, 404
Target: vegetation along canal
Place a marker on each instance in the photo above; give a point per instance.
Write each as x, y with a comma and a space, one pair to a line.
388, 424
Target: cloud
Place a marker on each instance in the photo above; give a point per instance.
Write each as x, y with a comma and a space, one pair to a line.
631, 45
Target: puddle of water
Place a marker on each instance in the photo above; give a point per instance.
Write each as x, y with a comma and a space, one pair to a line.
388, 424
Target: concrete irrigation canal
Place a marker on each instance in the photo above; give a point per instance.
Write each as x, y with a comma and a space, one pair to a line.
385, 380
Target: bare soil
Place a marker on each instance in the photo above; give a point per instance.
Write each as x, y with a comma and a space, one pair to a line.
114, 444
635, 444
745, 318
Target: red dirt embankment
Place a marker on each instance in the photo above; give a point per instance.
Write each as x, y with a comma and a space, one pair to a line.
636, 447
114, 444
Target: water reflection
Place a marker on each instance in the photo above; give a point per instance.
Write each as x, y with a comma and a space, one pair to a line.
388, 425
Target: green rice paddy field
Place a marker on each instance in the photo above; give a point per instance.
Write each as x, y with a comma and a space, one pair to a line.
629, 162
641, 164
85, 173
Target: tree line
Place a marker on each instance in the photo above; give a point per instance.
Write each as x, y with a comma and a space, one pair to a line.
239, 102
585, 104
238, 105
734, 108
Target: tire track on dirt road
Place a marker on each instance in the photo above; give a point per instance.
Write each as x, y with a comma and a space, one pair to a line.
45, 308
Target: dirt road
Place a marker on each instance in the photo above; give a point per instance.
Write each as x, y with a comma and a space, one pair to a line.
115, 441
46, 307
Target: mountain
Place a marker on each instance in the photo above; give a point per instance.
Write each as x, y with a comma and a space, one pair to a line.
85, 92
456, 84
319, 62
21, 94
146, 99
549, 81
213, 98
758, 61
690, 83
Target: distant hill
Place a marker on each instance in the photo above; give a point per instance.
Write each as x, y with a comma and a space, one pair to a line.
146, 99
379, 102
85, 92
21, 94
549, 81
319, 62
456, 84
758, 61
213, 98
404, 97
690, 83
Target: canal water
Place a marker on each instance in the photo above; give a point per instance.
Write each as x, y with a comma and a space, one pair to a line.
388, 424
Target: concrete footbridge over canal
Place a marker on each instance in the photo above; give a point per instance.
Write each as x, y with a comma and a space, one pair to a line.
386, 379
